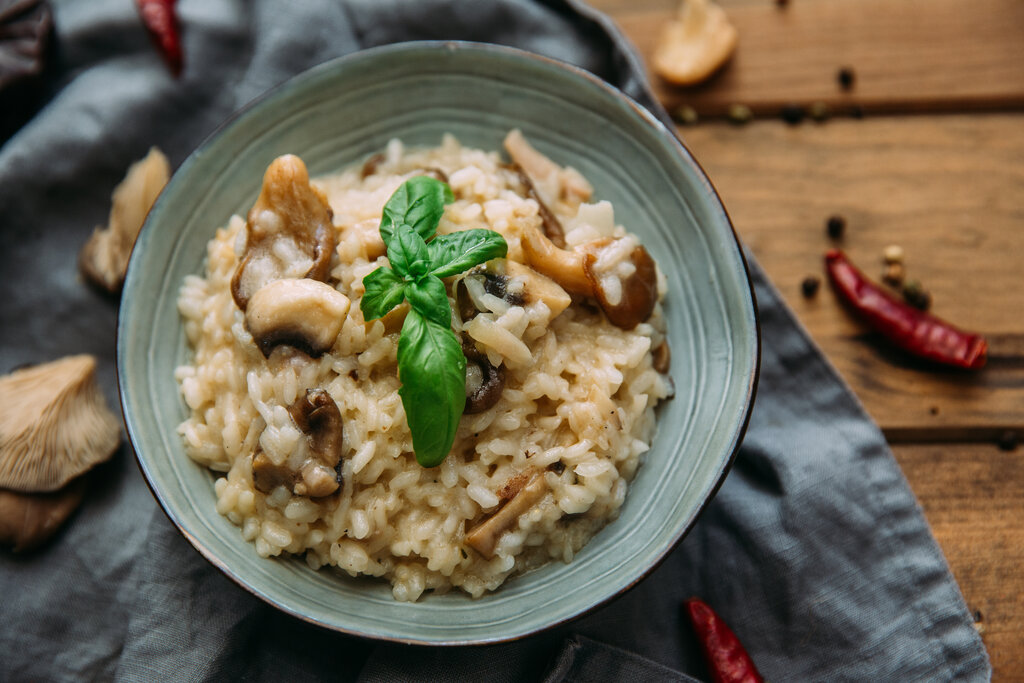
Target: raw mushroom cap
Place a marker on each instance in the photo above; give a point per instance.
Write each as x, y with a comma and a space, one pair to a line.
306, 314
54, 425
695, 44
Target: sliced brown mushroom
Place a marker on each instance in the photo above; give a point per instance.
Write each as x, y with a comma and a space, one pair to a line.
54, 425
626, 301
484, 382
306, 314
551, 182
317, 416
694, 44
29, 519
289, 233
104, 257
552, 226
634, 296
484, 537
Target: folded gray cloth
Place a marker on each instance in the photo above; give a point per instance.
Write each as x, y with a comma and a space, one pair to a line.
814, 549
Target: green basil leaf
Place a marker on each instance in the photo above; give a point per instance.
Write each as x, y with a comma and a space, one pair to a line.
433, 373
384, 290
428, 297
408, 253
459, 251
419, 203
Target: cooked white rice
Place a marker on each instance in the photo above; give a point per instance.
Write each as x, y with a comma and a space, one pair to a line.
578, 403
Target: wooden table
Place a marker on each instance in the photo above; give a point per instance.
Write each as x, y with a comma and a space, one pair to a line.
926, 150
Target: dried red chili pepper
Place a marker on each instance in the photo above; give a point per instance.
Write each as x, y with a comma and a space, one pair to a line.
909, 328
161, 21
725, 655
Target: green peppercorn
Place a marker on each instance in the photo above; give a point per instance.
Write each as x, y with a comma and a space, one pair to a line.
740, 114
819, 111
915, 295
685, 115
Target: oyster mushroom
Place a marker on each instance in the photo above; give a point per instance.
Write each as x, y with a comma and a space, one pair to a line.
318, 475
289, 233
103, 259
306, 314
54, 425
694, 44
484, 537
29, 519
620, 274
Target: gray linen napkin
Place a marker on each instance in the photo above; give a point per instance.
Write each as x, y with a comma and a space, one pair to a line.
814, 549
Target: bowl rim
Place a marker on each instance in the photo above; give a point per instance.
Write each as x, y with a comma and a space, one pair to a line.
280, 91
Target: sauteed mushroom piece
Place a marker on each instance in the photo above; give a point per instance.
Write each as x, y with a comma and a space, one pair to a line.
623, 280
551, 181
484, 537
289, 233
317, 416
306, 314
484, 382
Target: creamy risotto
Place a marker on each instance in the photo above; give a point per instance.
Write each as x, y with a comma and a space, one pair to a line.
294, 396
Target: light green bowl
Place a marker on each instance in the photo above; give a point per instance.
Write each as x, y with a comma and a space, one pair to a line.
337, 114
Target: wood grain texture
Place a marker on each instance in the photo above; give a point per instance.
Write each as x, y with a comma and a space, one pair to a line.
908, 55
950, 191
973, 498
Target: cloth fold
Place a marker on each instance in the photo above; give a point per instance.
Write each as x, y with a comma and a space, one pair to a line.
814, 550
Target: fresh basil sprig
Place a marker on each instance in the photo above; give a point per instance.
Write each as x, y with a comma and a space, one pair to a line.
431, 364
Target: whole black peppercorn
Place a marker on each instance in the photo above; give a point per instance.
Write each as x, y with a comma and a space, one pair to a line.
857, 111
846, 77
809, 287
792, 114
835, 225
915, 295
1007, 441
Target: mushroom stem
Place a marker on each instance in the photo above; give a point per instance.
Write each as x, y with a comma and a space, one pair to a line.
484, 537
563, 266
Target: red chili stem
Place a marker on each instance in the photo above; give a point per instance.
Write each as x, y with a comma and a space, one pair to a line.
910, 329
725, 655
161, 21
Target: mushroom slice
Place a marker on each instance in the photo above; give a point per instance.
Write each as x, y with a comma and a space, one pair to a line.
54, 424
306, 314
692, 46
29, 519
564, 266
627, 299
484, 537
537, 287
484, 382
289, 233
317, 416
104, 257
551, 181
625, 284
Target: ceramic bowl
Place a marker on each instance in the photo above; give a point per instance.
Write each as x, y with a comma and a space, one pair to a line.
336, 115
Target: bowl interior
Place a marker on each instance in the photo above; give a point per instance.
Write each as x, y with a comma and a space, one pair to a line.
336, 115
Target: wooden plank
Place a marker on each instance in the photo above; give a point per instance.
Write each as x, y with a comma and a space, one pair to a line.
973, 499
908, 55
948, 189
